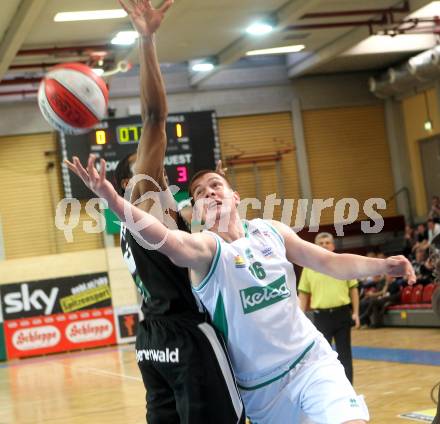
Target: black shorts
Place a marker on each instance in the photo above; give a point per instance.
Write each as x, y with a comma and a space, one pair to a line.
186, 373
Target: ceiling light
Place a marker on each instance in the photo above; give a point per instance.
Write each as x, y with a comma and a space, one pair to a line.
98, 71
202, 67
376, 44
89, 15
125, 38
429, 11
428, 125
277, 50
259, 28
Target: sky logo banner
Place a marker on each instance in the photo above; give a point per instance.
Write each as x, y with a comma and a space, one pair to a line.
53, 296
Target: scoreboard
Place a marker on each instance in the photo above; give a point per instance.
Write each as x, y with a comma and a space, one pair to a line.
192, 145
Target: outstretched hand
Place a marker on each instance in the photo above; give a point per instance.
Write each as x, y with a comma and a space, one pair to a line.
143, 16
219, 168
92, 179
399, 266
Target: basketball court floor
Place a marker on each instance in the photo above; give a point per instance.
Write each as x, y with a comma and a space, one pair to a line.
395, 369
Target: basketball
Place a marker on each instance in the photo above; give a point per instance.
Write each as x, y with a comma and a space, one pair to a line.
72, 98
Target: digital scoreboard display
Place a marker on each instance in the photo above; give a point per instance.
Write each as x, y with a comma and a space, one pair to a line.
192, 146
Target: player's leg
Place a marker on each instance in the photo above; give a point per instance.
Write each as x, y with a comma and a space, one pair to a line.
160, 398
203, 383
327, 397
324, 324
342, 338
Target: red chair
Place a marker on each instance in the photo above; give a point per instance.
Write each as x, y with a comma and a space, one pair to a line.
427, 293
405, 295
416, 295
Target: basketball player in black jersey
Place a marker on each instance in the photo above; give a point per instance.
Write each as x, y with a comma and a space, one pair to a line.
184, 367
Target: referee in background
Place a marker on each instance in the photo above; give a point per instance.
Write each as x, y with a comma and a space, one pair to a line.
335, 304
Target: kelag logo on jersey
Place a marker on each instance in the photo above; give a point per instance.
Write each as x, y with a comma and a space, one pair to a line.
255, 298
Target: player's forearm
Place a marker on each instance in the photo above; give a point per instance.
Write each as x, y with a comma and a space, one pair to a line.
346, 266
149, 228
354, 296
177, 245
153, 96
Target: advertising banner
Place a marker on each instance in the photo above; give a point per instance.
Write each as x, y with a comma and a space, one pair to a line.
127, 320
57, 295
56, 315
59, 333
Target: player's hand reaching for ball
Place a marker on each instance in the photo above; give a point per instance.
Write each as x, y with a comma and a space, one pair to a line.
399, 266
219, 168
93, 179
143, 16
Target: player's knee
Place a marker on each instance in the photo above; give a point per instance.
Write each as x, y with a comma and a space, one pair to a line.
355, 422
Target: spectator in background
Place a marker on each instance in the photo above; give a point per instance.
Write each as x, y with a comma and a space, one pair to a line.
434, 213
409, 241
389, 295
423, 267
419, 260
335, 304
375, 290
426, 275
433, 229
421, 237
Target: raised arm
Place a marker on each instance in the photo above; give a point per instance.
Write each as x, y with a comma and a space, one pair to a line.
153, 141
194, 251
341, 266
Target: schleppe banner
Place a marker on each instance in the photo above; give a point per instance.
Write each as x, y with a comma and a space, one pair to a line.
59, 333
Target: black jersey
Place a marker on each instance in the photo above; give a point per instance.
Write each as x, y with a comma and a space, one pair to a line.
164, 287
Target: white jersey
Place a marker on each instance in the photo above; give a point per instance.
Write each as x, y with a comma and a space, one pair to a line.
250, 293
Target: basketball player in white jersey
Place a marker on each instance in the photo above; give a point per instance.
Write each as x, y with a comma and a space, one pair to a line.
243, 274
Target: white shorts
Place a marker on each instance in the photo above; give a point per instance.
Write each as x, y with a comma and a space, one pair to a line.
315, 391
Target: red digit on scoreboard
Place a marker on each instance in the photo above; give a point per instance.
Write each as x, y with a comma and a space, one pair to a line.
182, 174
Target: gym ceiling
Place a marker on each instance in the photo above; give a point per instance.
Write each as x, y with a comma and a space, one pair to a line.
338, 36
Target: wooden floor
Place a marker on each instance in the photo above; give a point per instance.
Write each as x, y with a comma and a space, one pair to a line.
104, 386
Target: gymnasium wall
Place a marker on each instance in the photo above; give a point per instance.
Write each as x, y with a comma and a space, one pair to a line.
349, 156
30, 189
415, 114
257, 136
229, 94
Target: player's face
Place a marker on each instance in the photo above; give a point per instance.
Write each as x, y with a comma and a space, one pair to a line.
210, 193
326, 243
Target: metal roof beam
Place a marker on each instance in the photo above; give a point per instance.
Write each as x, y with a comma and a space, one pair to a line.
291, 11
336, 47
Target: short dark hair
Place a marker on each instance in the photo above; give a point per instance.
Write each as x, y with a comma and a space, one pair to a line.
122, 172
201, 173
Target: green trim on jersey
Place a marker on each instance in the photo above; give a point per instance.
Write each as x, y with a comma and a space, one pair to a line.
219, 318
293, 365
211, 269
141, 287
246, 228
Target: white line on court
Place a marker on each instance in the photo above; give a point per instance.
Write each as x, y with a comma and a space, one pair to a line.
109, 373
